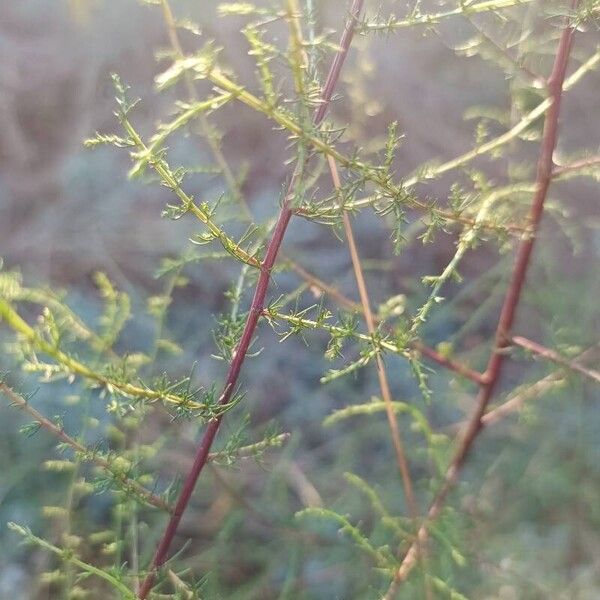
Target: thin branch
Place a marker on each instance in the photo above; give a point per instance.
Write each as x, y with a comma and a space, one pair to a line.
531, 78
384, 386
516, 402
453, 365
202, 214
554, 356
511, 300
68, 554
578, 165
296, 37
183, 456
465, 242
251, 450
369, 173
389, 189
212, 140
503, 139
523, 393
375, 342
85, 453
381, 373
348, 304
434, 18
382, 344
256, 309
313, 281
72, 365
47, 298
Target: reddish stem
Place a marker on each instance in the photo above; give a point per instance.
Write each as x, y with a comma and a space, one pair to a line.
511, 299
256, 308
513, 294
448, 363
517, 280
578, 165
20, 402
554, 356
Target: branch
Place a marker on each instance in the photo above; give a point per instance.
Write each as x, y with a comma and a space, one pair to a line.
256, 309
527, 392
68, 555
511, 300
72, 365
578, 165
362, 289
554, 356
85, 453
389, 190
202, 213
348, 304
252, 450
503, 139
381, 372
433, 18
368, 173
211, 138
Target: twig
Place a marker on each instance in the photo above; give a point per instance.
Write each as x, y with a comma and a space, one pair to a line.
384, 386
213, 143
388, 188
512, 134
348, 304
432, 19
554, 356
201, 213
72, 365
524, 393
578, 165
511, 300
313, 281
452, 365
532, 78
252, 449
86, 454
381, 373
366, 307
255, 312
516, 402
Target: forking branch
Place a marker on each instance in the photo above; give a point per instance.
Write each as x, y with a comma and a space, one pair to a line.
510, 304
254, 314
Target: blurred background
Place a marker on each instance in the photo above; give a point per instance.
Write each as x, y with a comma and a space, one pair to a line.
531, 491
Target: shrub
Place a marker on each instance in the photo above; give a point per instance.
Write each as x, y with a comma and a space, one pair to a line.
401, 533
